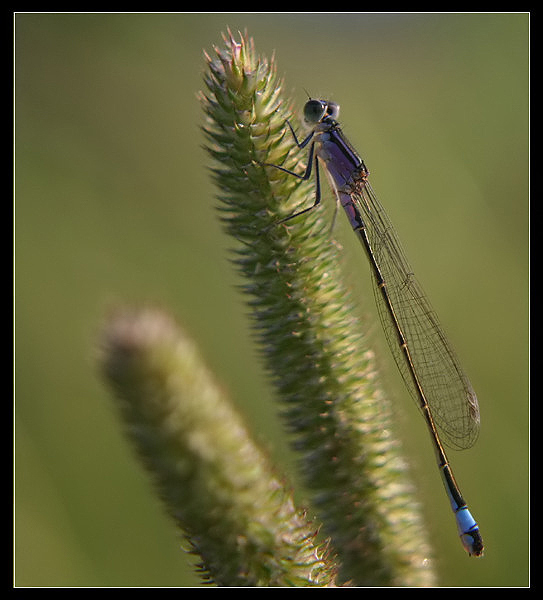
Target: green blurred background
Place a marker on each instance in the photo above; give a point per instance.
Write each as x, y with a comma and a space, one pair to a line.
114, 204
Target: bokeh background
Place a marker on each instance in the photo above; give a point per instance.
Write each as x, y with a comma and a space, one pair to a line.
114, 204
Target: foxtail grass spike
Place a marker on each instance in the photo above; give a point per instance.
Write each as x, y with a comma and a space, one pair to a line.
237, 515
318, 357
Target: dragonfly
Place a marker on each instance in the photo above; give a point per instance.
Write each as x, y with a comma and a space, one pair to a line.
421, 350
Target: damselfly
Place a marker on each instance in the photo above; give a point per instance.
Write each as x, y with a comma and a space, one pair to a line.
420, 348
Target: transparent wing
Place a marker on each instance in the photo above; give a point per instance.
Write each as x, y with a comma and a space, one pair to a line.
447, 389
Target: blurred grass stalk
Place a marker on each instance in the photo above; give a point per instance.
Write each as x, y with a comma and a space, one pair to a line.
234, 511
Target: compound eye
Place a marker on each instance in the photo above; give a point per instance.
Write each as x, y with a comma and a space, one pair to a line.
314, 111
332, 110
